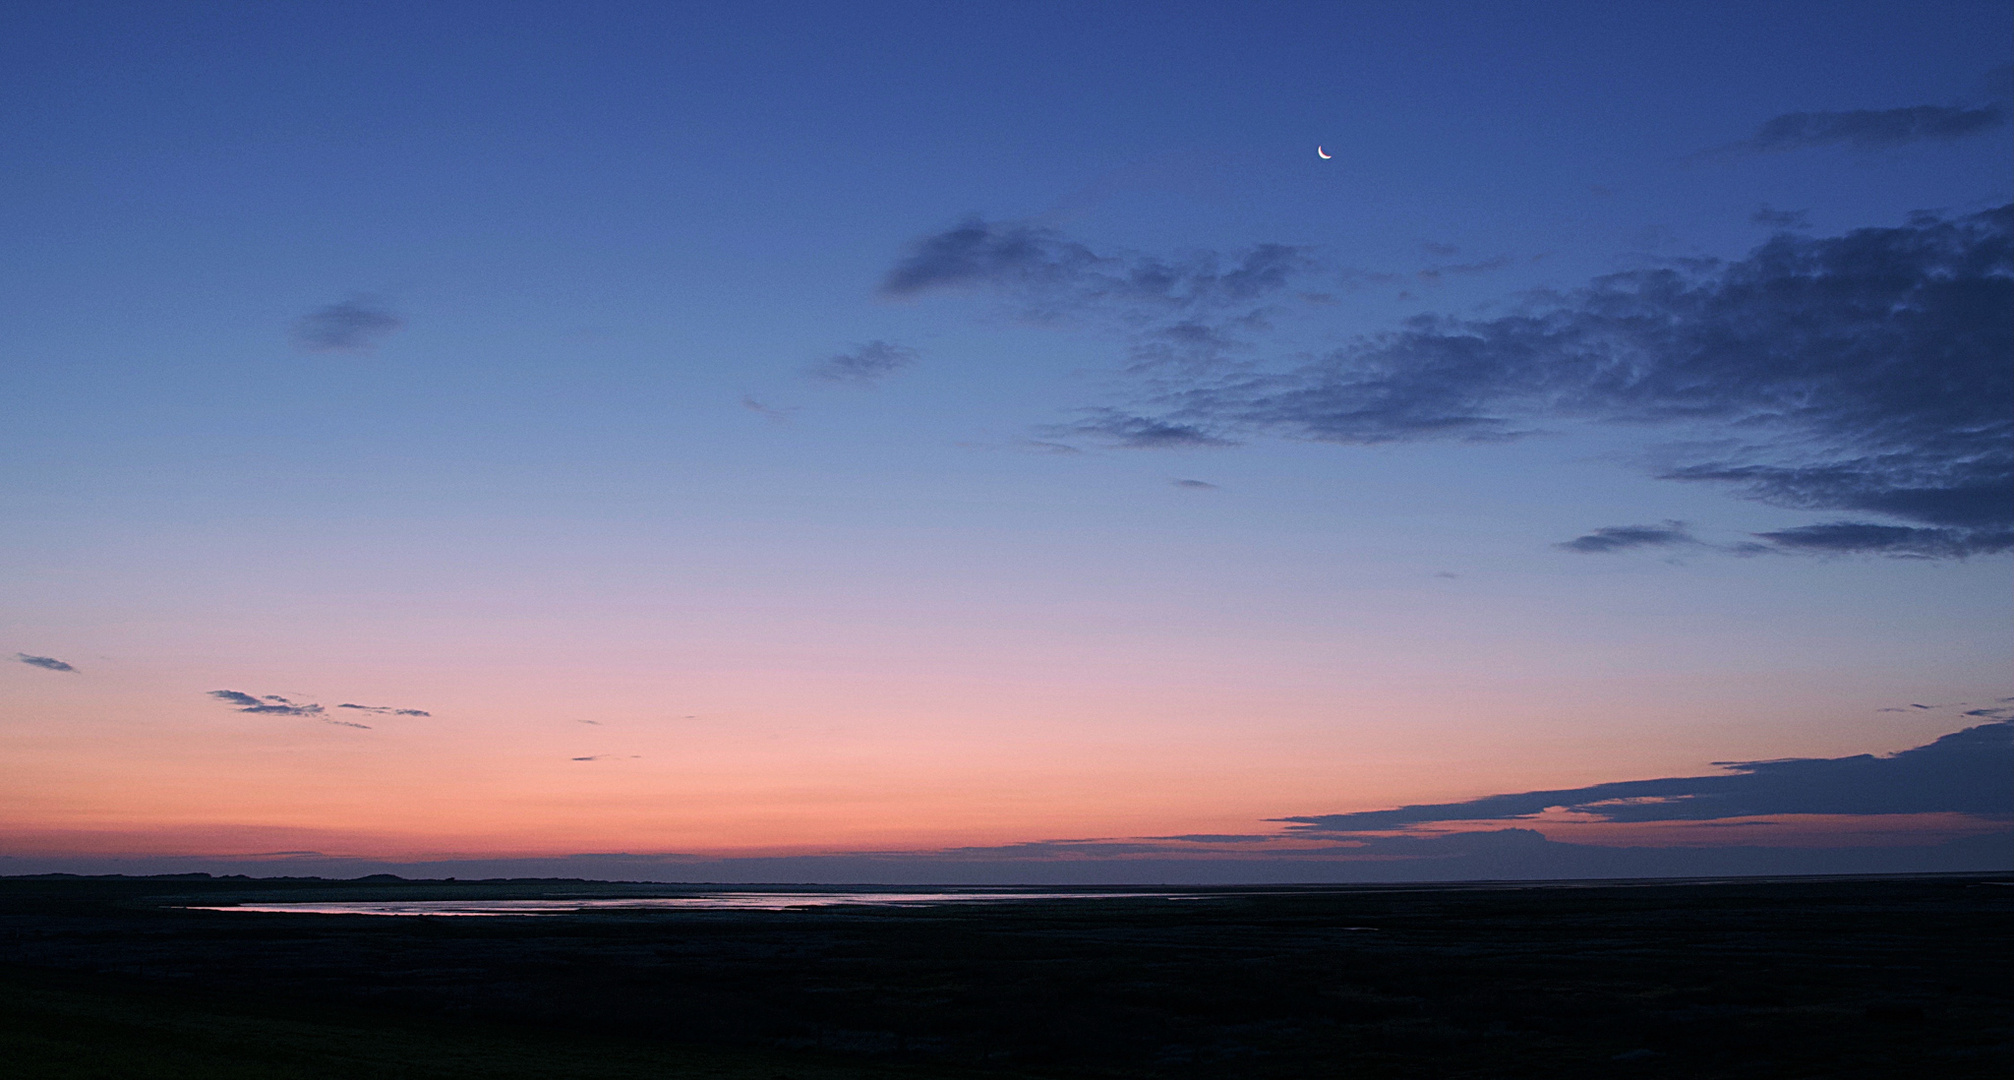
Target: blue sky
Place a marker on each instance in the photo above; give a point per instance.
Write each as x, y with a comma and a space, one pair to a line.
476, 357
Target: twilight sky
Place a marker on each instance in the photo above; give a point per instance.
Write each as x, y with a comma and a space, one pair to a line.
930, 442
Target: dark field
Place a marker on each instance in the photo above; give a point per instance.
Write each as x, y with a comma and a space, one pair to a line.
1765, 978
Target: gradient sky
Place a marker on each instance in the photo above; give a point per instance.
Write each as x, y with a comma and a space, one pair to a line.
796, 430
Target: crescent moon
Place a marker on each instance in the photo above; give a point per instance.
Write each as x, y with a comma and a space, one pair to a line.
1323, 155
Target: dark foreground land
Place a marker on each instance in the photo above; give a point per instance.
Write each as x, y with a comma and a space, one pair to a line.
106, 977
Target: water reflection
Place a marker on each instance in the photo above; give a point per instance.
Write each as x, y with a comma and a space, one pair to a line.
722, 901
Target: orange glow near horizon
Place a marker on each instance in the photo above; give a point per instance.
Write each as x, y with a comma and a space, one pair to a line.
505, 782
927, 742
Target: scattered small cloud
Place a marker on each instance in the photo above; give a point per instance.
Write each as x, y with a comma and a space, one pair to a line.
866, 365
385, 710
357, 325
777, 414
1435, 273
49, 663
277, 705
1195, 311
1039, 262
1781, 219
1197, 485
272, 704
1131, 432
1626, 537
1446, 574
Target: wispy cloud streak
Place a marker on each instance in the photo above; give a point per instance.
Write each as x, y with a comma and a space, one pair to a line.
276, 705
865, 365
1868, 129
1191, 312
357, 325
385, 710
1625, 537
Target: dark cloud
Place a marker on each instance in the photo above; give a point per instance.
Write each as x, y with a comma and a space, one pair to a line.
1122, 429
385, 710
1198, 485
1435, 273
1870, 129
978, 253
275, 705
1954, 479
1859, 538
1197, 311
1193, 343
1861, 373
357, 325
779, 414
272, 704
1864, 375
48, 662
1042, 266
1963, 772
1624, 537
866, 364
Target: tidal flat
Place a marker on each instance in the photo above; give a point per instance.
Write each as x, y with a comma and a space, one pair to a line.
1803, 977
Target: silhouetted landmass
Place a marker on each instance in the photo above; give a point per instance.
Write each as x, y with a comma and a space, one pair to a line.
1792, 978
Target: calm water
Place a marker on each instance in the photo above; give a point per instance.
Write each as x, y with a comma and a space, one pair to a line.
725, 901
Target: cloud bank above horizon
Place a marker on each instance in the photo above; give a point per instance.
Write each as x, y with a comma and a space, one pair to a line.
1965, 772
